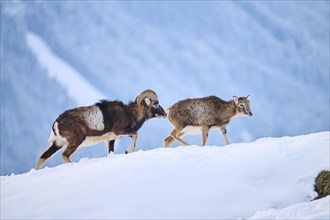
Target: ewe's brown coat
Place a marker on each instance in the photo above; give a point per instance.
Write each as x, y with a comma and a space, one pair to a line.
199, 115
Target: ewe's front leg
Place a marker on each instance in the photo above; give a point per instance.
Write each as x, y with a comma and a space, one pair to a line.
132, 147
224, 132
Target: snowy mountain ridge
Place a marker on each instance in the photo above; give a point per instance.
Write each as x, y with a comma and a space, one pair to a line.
270, 178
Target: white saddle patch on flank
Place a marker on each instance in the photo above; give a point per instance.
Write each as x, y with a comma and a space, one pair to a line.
94, 118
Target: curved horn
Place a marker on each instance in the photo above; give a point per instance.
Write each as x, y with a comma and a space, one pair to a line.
146, 94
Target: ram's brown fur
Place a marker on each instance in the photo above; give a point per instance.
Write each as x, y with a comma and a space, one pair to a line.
104, 121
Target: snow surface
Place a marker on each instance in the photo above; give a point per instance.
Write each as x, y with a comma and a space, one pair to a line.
318, 209
268, 178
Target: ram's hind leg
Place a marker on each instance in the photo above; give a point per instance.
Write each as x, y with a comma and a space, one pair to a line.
72, 147
53, 148
68, 151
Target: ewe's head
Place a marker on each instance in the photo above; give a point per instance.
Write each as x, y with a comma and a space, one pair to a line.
149, 99
243, 105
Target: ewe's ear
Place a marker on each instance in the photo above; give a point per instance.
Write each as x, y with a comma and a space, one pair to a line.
148, 101
235, 99
248, 97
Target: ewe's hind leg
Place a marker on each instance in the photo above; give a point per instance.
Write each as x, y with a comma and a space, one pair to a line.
53, 148
169, 140
175, 135
224, 132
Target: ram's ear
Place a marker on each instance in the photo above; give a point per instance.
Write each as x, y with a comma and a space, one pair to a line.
235, 99
248, 97
148, 101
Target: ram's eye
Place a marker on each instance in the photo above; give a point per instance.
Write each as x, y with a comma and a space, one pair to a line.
241, 106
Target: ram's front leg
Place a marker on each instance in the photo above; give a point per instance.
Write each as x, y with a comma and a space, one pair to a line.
110, 145
132, 147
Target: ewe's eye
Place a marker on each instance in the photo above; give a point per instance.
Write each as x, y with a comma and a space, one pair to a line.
241, 106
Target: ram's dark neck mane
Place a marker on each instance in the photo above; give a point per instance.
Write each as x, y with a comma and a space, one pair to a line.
129, 115
107, 103
131, 103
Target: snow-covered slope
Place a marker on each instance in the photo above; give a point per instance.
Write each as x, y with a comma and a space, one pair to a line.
269, 178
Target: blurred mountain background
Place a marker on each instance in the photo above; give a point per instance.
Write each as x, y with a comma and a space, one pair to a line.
275, 51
